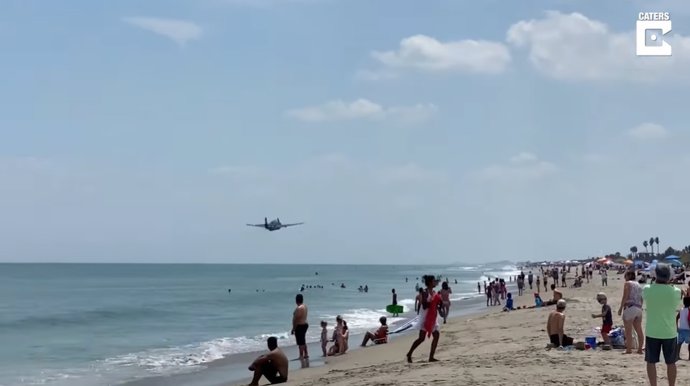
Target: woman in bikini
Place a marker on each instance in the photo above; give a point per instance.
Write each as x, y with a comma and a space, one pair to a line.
345, 338
337, 337
445, 298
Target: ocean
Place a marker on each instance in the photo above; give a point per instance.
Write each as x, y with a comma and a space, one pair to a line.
110, 324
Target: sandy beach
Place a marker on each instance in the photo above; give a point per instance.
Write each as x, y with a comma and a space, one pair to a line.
499, 348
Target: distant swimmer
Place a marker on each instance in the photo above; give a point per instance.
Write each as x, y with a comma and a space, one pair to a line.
229, 290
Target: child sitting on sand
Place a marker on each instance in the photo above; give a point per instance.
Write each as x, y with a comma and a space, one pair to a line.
509, 303
606, 316
380, 336
324, 336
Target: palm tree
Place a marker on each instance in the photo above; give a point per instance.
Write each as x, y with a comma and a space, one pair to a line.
644, 244
656, 240
651, 244
634, 250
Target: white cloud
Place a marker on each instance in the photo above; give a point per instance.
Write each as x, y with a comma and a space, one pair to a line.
179, 31
371, 75
523, 157
523, 167
425, 53
339, 110
574, 47
648, 131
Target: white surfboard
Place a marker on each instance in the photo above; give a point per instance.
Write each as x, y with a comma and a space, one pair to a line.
406, 326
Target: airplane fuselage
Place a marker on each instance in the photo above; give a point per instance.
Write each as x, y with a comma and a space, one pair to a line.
273, 225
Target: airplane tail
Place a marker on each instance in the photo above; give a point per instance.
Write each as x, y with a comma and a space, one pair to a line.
266, 222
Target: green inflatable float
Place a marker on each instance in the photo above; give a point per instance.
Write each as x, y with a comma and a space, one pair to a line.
394, 309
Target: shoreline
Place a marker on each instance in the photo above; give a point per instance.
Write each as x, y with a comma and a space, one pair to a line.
232, 369
477, 308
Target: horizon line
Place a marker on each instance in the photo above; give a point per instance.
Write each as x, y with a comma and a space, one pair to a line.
237, 263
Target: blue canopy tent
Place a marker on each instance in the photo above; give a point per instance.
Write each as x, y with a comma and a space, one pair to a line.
675, 263
672, 257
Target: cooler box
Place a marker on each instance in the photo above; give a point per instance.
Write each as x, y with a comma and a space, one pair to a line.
591, 341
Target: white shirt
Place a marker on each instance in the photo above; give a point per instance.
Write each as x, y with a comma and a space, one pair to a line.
683, 321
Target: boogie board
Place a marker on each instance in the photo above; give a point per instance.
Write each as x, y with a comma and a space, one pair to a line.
394, 309
406, 326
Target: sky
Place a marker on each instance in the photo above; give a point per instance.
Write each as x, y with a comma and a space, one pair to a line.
399, 131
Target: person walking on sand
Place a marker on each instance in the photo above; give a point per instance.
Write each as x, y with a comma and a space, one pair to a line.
631, 311
662, 300
418, 300
428, 324
300, 326
445, 298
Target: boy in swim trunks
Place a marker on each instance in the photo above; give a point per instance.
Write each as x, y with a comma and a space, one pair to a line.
324, 336
606, 317
683, 322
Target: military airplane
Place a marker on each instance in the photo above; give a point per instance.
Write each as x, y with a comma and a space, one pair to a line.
273, 225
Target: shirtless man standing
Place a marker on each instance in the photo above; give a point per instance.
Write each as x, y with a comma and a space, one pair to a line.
555, 326
273, 366
300, 326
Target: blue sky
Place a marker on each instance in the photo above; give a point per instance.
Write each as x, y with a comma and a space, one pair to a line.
400, 131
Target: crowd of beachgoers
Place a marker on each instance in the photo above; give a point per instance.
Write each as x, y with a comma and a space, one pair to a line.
653, 321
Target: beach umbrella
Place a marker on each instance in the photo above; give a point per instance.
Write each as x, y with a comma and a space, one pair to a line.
672, 257
628, 262
675, 263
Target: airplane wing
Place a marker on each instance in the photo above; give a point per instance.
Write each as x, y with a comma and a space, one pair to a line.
256, 225
289, 225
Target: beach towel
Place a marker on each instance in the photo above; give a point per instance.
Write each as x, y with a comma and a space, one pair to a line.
431, 314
